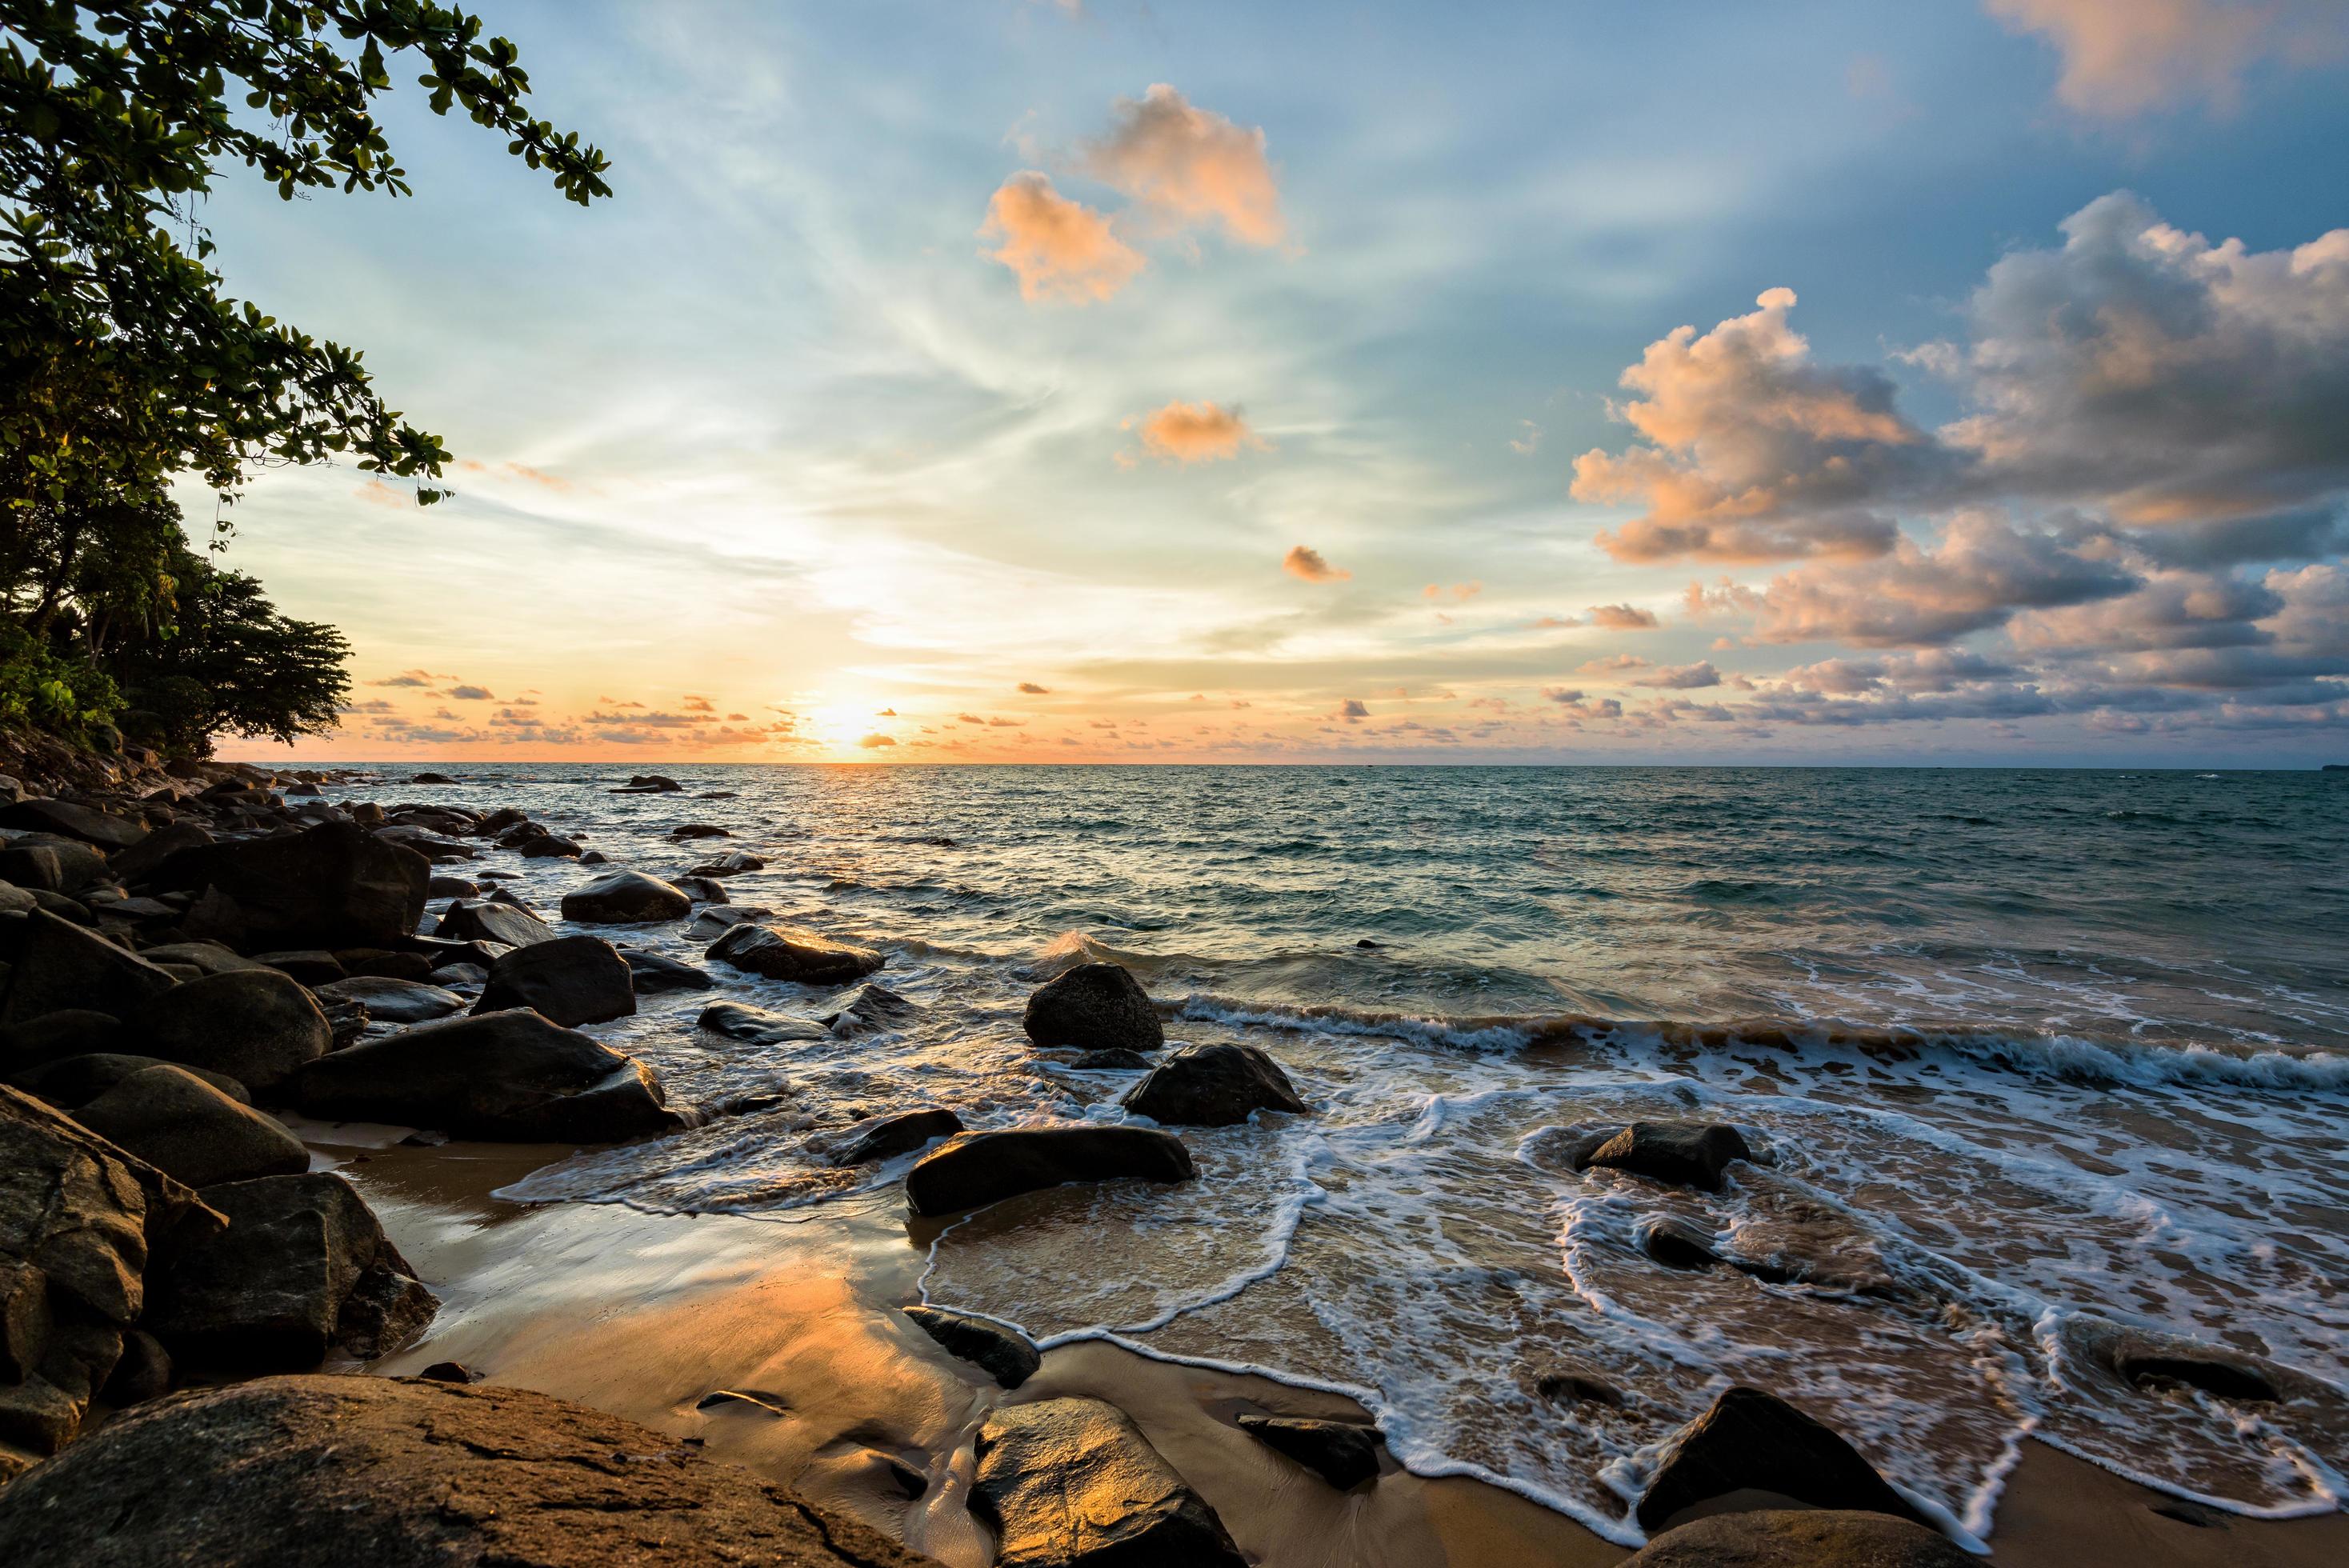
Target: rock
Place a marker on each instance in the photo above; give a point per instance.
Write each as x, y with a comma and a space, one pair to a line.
1117, 1061
1750, 1440
257, 1026
63, 966
454, 975
594, 858
61, 907
1800, 1538
550, 846
1340, 1453
787, 953
73, 1082
510, 1075
132, 866
1677, 1244
334, 885
190, 1130
1577, 1384
316, 1471
656, 974
68, 821
450, 1372
394, 1001
701, 890
373, 962
144, 1372
652, 784
79, 1221
56, 1036
269, 1293
718, 918
1685, 1153
756, 1026
1094, 1007
1072, 1483
32, 866
1004, 1353
887, 1136
431, 778
78, 864
975, 1169
625, 898
570, 981
684, 830
484, 920
210, 957
873, 1009
309, 965
733, 862
451, 887
1213, 1086
2161, 1362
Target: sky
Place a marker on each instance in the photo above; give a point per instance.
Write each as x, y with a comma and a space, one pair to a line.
1012, 380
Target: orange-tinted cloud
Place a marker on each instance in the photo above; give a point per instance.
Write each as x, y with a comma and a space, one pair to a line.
2129, 57
1302, 560
1197, 433
1622, 618
876, 740
1061, 249
1189, 165
1032, 689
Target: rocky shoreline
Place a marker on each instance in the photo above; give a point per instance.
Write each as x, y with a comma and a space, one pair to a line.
186, 959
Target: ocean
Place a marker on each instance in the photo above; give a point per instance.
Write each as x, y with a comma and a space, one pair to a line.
2031, 1058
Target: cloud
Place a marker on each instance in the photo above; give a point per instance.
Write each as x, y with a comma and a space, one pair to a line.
1683, 678
876, 740
2124, 58
1032, 689
372, 705
405, 678
471, 693
1612, 663
1063, 251
1461, 592
1303, 561
1526, 445
1622, 618
1562, 694
1187, 166
692, 704
1197, 433
1352, 710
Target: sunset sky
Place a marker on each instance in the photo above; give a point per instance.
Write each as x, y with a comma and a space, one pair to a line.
991, 381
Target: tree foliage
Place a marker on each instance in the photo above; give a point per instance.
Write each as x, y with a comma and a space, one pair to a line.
226, 662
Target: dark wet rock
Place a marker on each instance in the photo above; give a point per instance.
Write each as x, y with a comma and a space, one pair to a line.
975, 1169
211, 957
310, 966
757, 1026
1120, 1060
79, 865
143, 1373
551, 847
1750, 1440
394, 1001
430, 778
34, 867
61, 965
594, 858
1801, 1538
625, 898
1004, 1354
64, 908
1576, 1383
2160, 1362
697, 831
1213, 1086
451, 887
334, 885
887, 1137
55, 1037
79, 1220
313, 1471
257, 1026
787, 953
572, 980
733, 862
450, 1372
1072, 1483
718, 918
1094, 1007
131, 867
649, 784
71, 1082
272, 1291
510, 1075
1677, 1244
701, 890
373, 962
190, 1130
458, 977
1685, 1153
470, 920
656, 973
68, 821
442, 951
1340, 1452
873, 1009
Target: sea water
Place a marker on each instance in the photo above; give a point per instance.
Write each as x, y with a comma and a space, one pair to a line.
2028, 1057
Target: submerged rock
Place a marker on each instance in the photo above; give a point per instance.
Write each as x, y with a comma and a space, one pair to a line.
733, 862
572, 980
625, 898
1213, 1086
394, 1001
1750, 1440
1340, 1452
1072, 1483
1119, 1060
1094, 1007
655, 974
873, 1009
1801, 1538
887, 1137
787, 952
486, 919
1685, 1153
1004, 1354
720, 918
975, 1169
339, 1472
510, 1075
757, 1026
190, 1130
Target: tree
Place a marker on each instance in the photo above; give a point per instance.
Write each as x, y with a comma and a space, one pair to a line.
222, 660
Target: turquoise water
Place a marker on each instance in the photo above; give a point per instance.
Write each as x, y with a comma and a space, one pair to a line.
2031, 1054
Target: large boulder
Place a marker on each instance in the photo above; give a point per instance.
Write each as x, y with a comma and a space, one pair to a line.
488, 920
887, 1137
625, 898
79, 1219
1004, 1354
510, 1075
337, 1472
1800, 1538
68, 821
656, 973
61, 965
1341, 1452
256, 1025
72, 1082
334, 885
302, 1266
1072, 1483
55, 1037
1685, 1153
572, 980
131, 867
394, 1001
975, 1169
1213, 1086
787, 952
1750, 1440
190, 1130
1094, 1007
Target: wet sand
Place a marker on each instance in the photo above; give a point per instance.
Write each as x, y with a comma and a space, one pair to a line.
647, 1315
